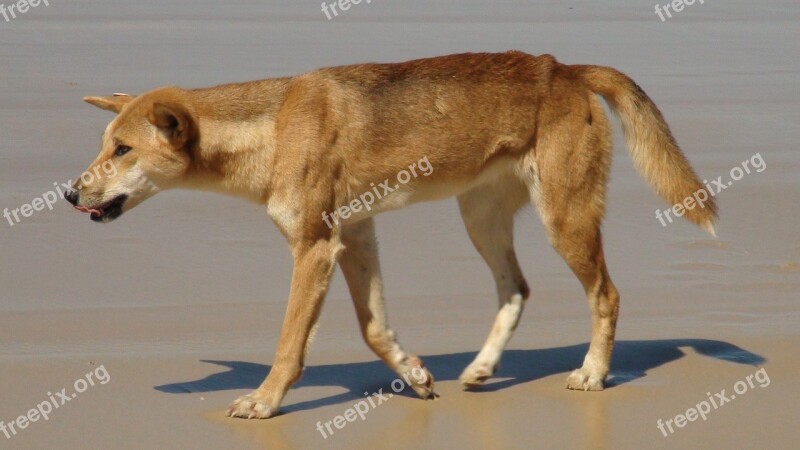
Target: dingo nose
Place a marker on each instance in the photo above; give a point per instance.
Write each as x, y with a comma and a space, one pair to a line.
72, 197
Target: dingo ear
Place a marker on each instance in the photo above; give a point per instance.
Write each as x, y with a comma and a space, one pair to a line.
113, 103
175, 121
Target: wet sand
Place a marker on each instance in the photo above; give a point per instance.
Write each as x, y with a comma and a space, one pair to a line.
181, 300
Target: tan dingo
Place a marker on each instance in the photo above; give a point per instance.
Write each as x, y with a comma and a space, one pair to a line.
497, 130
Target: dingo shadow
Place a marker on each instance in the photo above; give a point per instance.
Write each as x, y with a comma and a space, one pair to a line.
631, 360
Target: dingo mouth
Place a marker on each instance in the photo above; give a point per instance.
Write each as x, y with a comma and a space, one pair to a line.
106, 212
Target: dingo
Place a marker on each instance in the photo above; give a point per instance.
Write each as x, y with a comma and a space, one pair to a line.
499, 131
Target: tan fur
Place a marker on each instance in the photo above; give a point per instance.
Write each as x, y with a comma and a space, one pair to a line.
500, 130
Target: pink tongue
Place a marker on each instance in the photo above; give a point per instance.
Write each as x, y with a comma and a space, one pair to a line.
88, 210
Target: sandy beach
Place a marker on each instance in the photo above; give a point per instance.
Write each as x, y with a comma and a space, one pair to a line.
158, 321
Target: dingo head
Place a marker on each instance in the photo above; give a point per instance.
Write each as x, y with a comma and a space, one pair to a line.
145, 149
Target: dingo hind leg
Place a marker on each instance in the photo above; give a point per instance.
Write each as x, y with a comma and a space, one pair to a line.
570, 169
488, 213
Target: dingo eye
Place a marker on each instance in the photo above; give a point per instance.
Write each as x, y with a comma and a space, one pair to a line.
121, 150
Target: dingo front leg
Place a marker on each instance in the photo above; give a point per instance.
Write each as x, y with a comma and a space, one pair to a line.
361, 269
313, 266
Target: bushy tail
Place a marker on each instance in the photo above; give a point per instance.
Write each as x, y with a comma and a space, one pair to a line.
655, 153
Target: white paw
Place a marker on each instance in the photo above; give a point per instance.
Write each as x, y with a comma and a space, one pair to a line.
418, 377
582, 380
251, 406
476, 374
